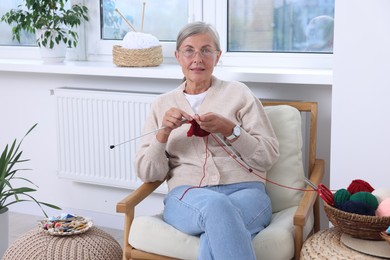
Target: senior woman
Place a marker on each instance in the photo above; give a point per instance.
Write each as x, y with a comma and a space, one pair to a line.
214, 148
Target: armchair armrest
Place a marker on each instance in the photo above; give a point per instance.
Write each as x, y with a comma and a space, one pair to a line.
309, 199
127, 206
134, 198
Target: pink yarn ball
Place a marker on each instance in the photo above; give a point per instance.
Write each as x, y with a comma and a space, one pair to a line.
383, 209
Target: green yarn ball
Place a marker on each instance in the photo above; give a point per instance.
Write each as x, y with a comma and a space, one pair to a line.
365, 197
341, 196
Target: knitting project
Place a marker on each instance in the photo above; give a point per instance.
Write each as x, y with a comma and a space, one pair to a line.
196, 130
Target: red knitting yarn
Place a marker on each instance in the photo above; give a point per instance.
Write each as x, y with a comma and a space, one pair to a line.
359, 185
196, 130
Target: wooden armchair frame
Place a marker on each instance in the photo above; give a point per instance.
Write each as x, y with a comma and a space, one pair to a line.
309, 201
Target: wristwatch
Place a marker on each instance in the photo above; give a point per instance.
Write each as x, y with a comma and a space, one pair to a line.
236, 133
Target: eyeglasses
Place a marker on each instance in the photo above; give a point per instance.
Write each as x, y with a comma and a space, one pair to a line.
205, 53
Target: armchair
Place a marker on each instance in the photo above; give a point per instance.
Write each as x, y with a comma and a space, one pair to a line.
295, 212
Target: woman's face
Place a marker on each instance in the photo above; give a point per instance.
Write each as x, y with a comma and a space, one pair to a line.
197, 57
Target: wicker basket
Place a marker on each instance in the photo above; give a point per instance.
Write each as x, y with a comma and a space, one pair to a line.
149, 57
359, 226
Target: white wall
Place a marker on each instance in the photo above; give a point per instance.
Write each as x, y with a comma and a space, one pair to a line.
360, 96
25, 99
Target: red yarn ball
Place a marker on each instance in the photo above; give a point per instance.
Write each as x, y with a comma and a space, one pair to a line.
359, 185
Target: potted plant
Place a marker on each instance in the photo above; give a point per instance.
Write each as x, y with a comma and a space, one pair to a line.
9, 194
50, 20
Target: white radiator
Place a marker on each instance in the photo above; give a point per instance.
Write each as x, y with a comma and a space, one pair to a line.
89, 121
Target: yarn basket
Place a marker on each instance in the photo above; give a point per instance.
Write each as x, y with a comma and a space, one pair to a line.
148, 57
355, 225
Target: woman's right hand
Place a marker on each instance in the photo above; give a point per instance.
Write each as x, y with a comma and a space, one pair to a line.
173, 118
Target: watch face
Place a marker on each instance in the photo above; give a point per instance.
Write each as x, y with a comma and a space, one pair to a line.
237, 130
236, 133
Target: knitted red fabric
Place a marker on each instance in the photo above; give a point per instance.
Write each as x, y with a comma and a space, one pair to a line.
196, 130
359, 185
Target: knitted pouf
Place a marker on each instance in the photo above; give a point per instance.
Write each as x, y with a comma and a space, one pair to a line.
37, 245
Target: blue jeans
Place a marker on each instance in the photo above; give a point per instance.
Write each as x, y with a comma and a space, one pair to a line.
226, 217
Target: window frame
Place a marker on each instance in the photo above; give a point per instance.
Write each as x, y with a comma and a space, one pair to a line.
92, 48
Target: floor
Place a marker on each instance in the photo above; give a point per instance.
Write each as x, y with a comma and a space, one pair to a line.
21, 223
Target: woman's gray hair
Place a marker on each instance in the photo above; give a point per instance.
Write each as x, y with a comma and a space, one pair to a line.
197, 28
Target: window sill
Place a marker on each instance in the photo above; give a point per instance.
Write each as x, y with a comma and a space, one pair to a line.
171, 71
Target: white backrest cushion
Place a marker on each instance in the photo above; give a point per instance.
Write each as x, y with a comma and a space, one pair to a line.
288, 170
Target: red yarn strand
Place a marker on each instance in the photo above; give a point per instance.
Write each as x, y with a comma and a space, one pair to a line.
251, 170
204, 169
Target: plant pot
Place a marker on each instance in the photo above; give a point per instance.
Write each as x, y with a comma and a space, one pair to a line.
55, 55
4, 231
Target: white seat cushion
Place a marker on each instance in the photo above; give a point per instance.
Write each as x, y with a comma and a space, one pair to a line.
275, 242
152, 234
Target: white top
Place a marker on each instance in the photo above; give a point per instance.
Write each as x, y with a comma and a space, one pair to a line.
195, 100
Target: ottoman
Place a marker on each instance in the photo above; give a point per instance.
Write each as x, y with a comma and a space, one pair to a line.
38, 245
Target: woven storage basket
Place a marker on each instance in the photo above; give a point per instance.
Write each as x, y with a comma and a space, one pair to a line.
148, 57
359, 226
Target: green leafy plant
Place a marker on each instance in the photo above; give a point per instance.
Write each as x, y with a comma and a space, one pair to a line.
52, 16
10, 158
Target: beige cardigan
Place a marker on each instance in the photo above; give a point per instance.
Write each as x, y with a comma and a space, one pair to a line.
181, 160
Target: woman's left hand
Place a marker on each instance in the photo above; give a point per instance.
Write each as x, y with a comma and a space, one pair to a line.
215, 123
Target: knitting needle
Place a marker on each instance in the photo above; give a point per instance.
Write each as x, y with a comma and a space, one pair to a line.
131, 26
324, 193
310, 183
151, 132
236, 157
132, 139
143, 16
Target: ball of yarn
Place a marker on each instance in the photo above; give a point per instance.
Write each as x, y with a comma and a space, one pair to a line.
383, 209
359, 185
139, 40
381, 194
365, 197
341, 196
357, 207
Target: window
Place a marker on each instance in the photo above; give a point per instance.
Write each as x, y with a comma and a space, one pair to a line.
152, 16
280, 26
162, 19
265, 33
27, 47
27, 39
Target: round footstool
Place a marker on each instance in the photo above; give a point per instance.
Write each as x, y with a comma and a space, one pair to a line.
327, 244
36, 244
